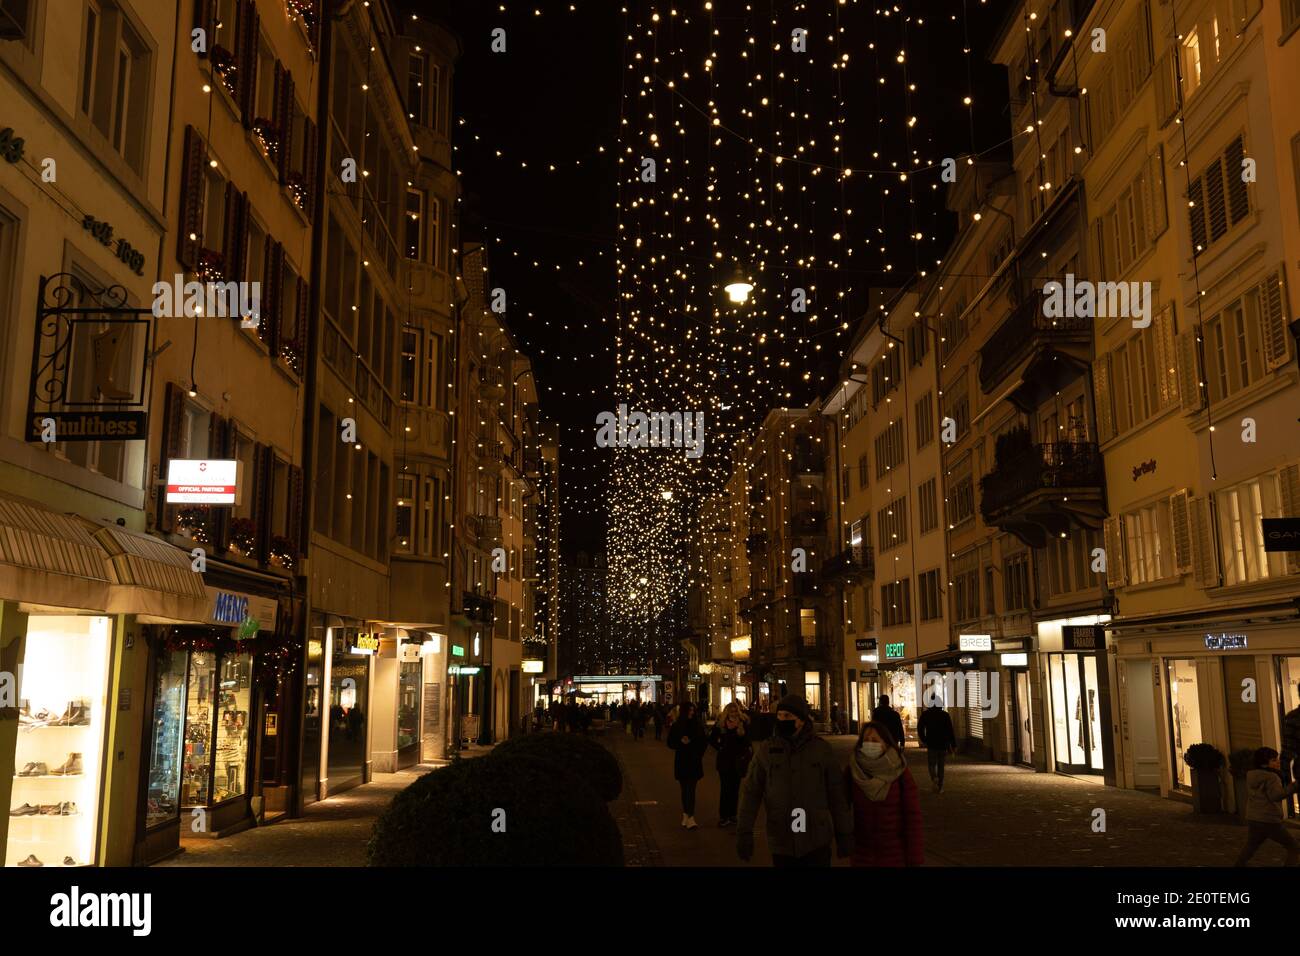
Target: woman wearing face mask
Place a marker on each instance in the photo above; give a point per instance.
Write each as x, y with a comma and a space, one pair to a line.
886, 810
730, 739
686, 736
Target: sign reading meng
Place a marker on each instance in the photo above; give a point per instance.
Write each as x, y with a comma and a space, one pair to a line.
211, 482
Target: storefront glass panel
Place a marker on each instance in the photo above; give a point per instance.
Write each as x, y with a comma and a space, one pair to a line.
62, 700
900, 687
1024, 719
1289, 682
1091, 704
311, 717
201, 697
408, 704
1184, 716
349, 683
235, 692
167, 743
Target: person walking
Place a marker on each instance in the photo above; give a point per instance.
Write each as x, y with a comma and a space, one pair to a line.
796, 779
1265, 794
937, 736
638, 722
885, 714
686, 736
657, 714
886, 809
729, 738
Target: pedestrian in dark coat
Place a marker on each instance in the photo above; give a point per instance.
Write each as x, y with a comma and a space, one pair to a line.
886, 809
687, 737
658, 712
884, 714
937, 736
796, 778
1265, 794
729, 738
638, 722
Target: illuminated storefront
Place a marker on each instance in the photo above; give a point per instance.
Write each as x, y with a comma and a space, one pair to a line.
1073, 651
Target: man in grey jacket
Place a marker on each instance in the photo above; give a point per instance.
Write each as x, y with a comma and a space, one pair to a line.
1265, 793
796, 777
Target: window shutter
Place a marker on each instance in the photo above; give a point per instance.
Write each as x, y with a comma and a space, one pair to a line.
193, 170
205, 19
288, 107
1116, 564
1238, 192
1216, 205
235, 233
1196, 215
268, 329
1289, 480
1273, 312
1166, 87
219, 434
293, 510
1101, 395
300, 327
1153, 195
257, 486
1180, 521
173, 422
1166, 358
249, 33
1205, 552
1189, 373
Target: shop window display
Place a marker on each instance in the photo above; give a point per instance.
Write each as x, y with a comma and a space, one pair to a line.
166, 749
1184, 716
408, 710
900, 686
216, 727
54, 815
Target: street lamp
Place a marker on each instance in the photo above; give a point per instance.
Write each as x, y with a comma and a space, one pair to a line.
739, 288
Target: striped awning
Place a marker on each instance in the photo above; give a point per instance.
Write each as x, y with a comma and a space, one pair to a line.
151, 577
50, 559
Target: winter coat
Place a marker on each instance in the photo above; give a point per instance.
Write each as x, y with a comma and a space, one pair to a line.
1264, 795
688, 762
798, 772
935, 729
734, 749
887, 832
761, 727
889, 717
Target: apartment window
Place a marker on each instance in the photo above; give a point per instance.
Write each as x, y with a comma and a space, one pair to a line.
1015, 581
896, 603
927, 496
432, 235
415, 201
925, 420
1130, 227
808, 625
115, 70
1241, 543
1290, 17
430, 515
1218, 198
862, 471
918, 343
966, 586
927, 595
956, 402
1148, 543
1192, 60
960, 501
891, 523
890, 448
1233, 348
244, 450
1069, 562
214, 206
417, 67
408, 365
886, 375
990, 592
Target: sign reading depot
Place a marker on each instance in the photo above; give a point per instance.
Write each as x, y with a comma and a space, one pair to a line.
895, 651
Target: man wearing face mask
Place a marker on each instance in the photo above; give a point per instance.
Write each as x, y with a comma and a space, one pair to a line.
797, 779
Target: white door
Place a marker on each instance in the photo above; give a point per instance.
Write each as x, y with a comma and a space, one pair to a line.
1143, 737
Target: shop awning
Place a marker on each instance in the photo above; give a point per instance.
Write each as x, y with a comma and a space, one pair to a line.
50, 559
151, 577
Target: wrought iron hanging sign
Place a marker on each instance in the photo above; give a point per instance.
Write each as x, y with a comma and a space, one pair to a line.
88, 364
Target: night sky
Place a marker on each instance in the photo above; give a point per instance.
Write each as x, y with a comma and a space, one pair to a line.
556, 97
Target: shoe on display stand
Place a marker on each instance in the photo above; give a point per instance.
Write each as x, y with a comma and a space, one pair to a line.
71, 767
26, 810
69, 861
33, 769
31, 861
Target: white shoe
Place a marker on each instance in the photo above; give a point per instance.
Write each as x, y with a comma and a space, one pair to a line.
690, 823
684, 819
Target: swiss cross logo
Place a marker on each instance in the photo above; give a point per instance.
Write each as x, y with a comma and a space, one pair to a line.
203, 466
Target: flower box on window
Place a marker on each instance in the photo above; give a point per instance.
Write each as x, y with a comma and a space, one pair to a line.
223, 63
243, 537
268, 135
292, 355
193, 523
297, 189
282, 552
211, 266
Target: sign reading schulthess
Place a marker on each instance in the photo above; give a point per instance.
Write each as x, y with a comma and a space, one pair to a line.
212, 482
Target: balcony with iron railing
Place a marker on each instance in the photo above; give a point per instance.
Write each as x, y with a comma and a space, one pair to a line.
1027, 331
850, 566
1037, 491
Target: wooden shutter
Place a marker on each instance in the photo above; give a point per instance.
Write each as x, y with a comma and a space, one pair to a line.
1153, 195
235, 240
1289, 481
1205, 551
258, 484
300, 326
1190, 392
1116, 565
1216, 200
205, 18
288, 108
268, 330
1102, 398
173, 423
1238, 192
219, 438
194, 165
1167, 92
1196, 216
1273, 325
294, 511
1180, 522
249, 38
277, 101
1166, 356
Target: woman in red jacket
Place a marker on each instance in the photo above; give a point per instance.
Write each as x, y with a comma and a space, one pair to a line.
886, 810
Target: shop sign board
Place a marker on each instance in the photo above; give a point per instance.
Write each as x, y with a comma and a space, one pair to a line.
457, 651
1088, 637
896, 651
1281, 534
233, 609
1225, 642
1015, 660
272, 723
975, 642
211, 482
364, 643
533, 667
865, 644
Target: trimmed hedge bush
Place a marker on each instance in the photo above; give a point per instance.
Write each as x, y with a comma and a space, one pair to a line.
573, 753
446, 818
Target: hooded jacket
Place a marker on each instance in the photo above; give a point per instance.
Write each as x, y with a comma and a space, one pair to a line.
1264, 795
1291, 732
789, 773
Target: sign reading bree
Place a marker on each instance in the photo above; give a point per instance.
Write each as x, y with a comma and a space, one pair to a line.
1281, 534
